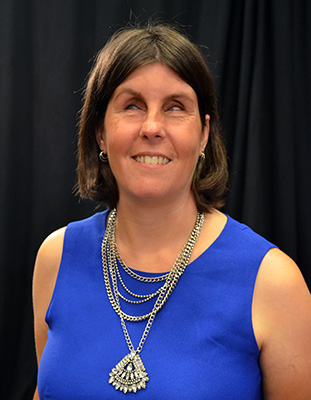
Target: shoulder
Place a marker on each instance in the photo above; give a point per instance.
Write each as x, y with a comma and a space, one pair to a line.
44, 278
245, 235
50, 250
46, 267
54, 239
281, 293
282, 326
239, 241
280, 280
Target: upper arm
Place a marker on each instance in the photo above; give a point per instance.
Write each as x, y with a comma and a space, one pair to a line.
282, 326
44, 278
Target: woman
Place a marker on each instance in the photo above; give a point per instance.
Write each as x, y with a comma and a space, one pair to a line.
163, 296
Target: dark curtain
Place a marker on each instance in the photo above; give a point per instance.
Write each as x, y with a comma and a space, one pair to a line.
260, 55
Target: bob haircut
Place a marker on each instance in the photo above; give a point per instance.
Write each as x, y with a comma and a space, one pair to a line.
128, 49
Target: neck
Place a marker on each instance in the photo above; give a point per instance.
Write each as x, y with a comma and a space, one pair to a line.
150, 238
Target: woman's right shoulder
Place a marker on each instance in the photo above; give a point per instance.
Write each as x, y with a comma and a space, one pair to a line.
44, 278
50, 251
46, 267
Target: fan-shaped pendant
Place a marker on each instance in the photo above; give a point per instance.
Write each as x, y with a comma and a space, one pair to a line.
129, 375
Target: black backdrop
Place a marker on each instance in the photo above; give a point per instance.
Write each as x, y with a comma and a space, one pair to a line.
260, 55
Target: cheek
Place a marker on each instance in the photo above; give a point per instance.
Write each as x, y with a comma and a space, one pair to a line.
118, 132
192, 143
118, 149
117, 145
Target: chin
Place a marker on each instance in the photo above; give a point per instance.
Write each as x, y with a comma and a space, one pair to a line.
145, 189
149, 194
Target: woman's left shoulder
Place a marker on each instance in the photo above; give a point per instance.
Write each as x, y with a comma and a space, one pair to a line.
277, 264
281, 290
282, 326
279, 274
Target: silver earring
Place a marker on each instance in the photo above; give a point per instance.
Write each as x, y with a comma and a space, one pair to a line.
103, 157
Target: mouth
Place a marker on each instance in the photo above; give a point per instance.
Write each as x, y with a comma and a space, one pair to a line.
152, 160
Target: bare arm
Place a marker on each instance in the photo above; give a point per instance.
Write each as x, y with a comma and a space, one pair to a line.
45, 274
282, 325
36, 396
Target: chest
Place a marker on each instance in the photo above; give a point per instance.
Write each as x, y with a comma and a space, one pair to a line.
200, 345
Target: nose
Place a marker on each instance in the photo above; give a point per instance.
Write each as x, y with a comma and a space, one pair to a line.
152, 127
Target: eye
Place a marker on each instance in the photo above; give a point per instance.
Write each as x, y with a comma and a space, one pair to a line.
132, 107
176, 108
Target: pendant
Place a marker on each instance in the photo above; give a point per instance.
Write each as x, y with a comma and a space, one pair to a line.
129, 375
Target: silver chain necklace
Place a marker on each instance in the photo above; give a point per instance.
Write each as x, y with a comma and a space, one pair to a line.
130, 375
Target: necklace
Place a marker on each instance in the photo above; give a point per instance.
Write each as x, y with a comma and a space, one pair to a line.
130, 375
143, 297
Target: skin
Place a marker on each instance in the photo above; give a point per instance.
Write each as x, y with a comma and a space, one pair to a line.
282, 326
153, 112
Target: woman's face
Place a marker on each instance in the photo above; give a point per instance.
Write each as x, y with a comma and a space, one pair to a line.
153, 135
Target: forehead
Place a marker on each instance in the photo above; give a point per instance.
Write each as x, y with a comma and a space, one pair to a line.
155, 78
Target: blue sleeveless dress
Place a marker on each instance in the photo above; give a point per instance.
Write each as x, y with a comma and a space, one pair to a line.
200, 346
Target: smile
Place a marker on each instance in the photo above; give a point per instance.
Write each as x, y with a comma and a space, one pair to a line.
152, 160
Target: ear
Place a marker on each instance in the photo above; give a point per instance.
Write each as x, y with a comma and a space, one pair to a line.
101, 138
205, 133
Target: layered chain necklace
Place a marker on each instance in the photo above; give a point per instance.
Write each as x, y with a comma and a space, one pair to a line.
130, 375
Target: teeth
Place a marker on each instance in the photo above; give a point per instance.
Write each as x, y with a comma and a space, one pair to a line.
152, 160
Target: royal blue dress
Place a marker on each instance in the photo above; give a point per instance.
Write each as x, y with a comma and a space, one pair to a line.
200, 346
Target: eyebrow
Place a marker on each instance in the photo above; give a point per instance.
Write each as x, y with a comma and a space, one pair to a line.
129, 91
169, 97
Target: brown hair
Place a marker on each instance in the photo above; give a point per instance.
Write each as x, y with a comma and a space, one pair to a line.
127, 50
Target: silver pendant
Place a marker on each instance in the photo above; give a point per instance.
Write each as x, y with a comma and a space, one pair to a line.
129, 375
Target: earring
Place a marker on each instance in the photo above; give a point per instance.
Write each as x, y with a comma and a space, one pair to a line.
103, 157
202, 156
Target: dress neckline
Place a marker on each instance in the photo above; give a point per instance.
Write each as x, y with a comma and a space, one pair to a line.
209, 248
